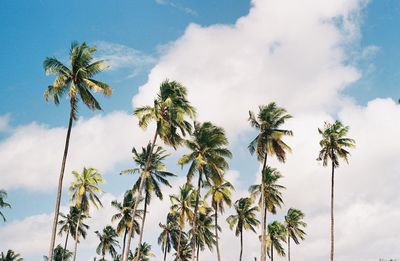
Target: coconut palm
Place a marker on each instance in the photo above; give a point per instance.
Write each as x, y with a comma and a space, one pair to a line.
3, 204
334, 145
276, 236
294, 225
156, 174
145, 253
208, 157
268, 141
245, 219
60, 254
185, 251
10, 256
170, 110
221, 193
108, 242
85, 190
204, 227
124, 216
168, 237
76, 81
68, 223
182, 206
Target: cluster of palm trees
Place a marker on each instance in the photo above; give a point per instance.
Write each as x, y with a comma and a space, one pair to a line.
193, 222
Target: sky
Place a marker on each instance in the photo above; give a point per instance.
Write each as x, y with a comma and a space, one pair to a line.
321, 60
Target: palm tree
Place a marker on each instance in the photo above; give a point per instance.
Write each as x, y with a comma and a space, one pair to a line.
204, 227
145, 253
334, 144
185, 250
77, 81
169, 112
208, 157
276, 235
108, 242
155, 174
182, 206
10, 256
68, 225
268, 142
84, 191
60, 254
244, 219
168, 237
294, 224
221, 193
3, 204
124, 216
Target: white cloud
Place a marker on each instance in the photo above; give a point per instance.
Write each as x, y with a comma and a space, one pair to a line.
4, 122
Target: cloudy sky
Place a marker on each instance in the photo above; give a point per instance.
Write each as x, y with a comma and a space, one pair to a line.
322, 60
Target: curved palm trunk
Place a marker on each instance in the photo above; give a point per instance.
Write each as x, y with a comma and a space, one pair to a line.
136, 203
216, 232
165, 250
196, 209
263, 214
76, 237
60, 181
288, 242
178, 251
332, 217
65, 247
142, 226
241, 245
124, 240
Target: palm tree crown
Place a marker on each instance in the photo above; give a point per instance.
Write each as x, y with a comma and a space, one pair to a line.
10, 256
69, 222
276, 235
294, 225
108, 241
145, 253
3, 204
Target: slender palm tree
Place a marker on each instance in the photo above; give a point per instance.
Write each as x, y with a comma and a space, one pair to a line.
85, 190
221, 193
108, 242
276, 236
204, 227
76, 81
334, 145
124, 216
170, 110
68, 224
244, 219
3, 204
185, 251
10, 256
168, 237
294, 225
60, 254
208, 157
145, 253
156, 174
268, 141
182, 206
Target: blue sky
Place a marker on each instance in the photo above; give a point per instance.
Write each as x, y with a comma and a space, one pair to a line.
144, 30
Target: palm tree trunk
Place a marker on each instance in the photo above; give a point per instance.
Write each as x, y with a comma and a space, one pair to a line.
142, 226
165, 251
196, 208
60, 181
65, 247
216, 232
263, 214
76, 237
241, 245
198, 251
288, 242
332, 217
178, 251
136, 203
272, 251
124, 240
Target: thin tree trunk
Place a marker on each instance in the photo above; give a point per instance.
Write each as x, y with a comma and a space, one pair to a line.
196, 208
136, 203
288, 242
272, 251
178, 251
124, 240
76, 237
198, 251
241, 245
142, 226
60, 181
216, 232
332, 216
165, 250
65, 247
263, 214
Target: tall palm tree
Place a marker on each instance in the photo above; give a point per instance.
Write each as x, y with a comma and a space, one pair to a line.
85, 190
276, 235
182, 206
10, 256
208, 157
124, 217
334, 144
268, 141
294, 227
108, 242
156, 174
60, 254
244, 219
145, 251
3, 204
221, 193
168, 237
76, 81
169, 112
204, 227
68, 225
